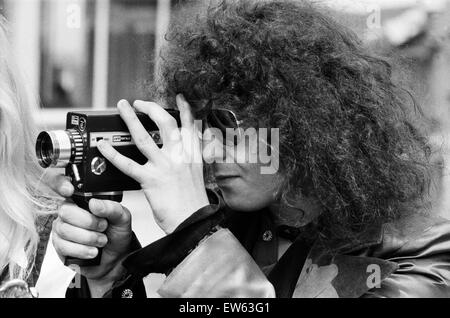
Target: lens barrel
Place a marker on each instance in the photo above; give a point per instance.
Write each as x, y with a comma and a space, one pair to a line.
58, 148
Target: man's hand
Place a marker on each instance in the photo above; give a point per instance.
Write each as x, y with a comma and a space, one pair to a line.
78, 233
172, 179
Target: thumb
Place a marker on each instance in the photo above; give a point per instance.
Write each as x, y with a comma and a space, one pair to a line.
114, 212
58, 183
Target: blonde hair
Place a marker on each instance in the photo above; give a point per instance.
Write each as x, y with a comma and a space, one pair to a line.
19, 171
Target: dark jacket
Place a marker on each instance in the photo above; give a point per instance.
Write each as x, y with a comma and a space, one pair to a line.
223, 253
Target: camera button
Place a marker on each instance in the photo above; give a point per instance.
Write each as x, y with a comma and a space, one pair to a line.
98, 165
127, 293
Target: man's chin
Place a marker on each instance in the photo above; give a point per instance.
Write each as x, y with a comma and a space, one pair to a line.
238, 201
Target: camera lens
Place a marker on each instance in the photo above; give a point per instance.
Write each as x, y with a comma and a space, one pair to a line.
54, 148
46, 150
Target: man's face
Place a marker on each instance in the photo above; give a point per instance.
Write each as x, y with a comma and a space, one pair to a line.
240, 175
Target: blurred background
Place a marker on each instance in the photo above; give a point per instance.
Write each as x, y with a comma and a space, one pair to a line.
88, 54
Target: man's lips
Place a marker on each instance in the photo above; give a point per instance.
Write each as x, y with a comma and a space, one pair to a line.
225, 176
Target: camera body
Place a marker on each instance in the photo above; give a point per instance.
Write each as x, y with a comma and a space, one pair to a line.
94, 173
76, 149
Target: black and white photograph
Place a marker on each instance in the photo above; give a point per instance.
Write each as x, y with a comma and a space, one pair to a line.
237, 150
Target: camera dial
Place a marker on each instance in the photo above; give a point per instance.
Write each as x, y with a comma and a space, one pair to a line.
98, 165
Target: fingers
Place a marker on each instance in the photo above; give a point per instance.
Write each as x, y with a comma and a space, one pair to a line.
167, 125
58, 183
114, 212
124, 164
141, 137
187, 120
67, 248
71, 214
79, 235
189, 132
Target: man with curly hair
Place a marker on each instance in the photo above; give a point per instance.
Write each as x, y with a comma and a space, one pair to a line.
344, 216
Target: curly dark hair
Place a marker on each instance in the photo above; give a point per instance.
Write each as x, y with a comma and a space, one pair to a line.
346, 134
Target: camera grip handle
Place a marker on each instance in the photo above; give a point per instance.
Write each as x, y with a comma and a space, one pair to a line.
82, 201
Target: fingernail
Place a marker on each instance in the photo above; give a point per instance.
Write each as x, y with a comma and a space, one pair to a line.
102, 240
93, 252
122, 103
98, 205
66, 190
102, 225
